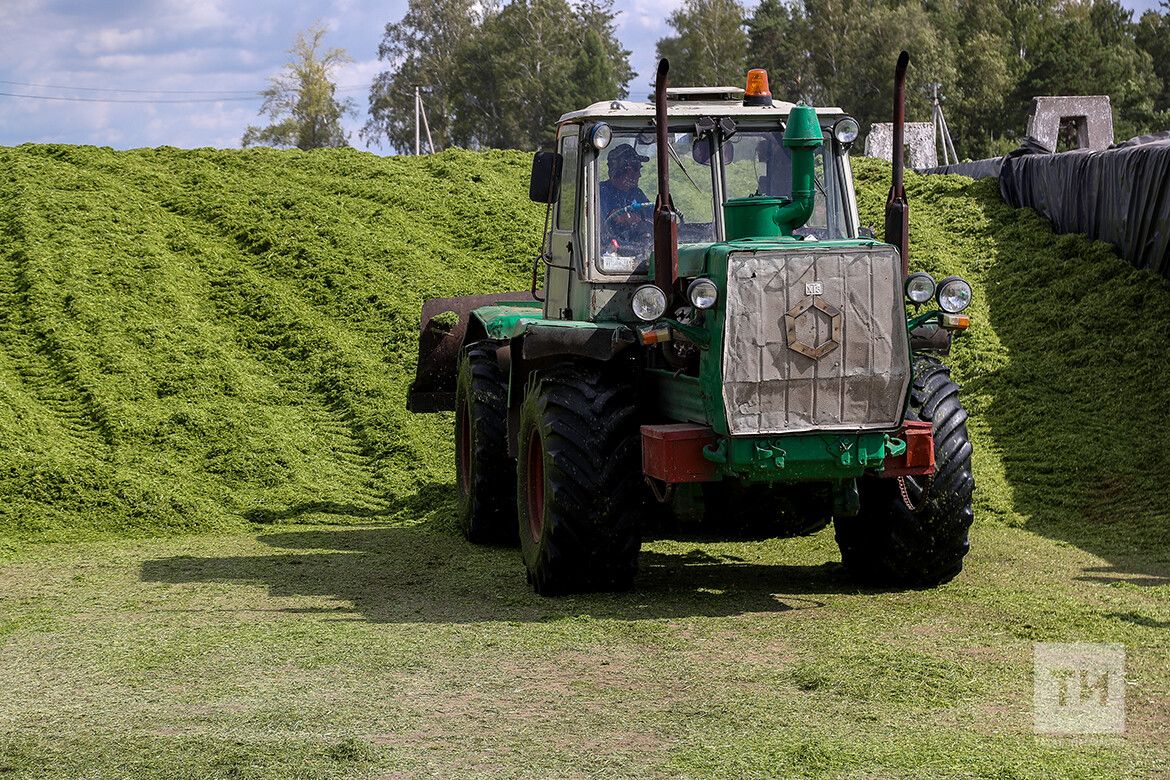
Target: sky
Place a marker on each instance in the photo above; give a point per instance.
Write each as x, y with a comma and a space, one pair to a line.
187, 73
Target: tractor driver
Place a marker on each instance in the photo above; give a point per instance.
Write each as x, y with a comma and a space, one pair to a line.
625, 212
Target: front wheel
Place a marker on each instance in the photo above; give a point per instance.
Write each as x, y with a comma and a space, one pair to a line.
485, 473
912, 531
580, 495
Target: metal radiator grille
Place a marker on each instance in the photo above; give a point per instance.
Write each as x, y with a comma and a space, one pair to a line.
815, 340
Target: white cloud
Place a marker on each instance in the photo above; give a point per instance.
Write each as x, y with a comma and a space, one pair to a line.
206, 45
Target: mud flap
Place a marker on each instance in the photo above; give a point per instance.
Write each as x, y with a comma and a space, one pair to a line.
439, 342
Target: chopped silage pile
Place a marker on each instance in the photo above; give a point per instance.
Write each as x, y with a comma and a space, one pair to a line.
204, 339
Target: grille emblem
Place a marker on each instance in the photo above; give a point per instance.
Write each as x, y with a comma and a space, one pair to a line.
814, 288
803, 309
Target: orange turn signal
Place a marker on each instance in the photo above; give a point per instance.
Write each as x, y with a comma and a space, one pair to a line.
956, 321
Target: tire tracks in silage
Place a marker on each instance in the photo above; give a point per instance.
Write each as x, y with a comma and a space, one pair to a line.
241, 290
40, 360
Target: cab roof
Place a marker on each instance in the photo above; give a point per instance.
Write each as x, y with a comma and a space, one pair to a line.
688, 102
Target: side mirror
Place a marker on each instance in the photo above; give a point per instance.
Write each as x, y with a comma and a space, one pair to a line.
546, 177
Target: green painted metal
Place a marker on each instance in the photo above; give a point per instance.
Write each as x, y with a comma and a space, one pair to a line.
933, 317
816, 456
678, 396
754, 217
507, 320
803, 129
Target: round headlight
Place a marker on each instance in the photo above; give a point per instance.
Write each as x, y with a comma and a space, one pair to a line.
954, 295
703, 293
649, 303
919, 287
600, 136
845, 130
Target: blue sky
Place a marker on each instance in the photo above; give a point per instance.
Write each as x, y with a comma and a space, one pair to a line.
151, 51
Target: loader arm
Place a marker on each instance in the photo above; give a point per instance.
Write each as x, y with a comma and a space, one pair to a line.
439, 343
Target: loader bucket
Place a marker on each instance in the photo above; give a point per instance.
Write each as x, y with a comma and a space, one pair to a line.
439, 342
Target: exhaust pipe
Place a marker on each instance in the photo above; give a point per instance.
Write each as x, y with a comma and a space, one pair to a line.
665, 219
897, 207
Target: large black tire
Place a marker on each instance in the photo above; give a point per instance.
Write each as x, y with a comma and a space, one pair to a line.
580, 494
888, 543
485, 475
764, 512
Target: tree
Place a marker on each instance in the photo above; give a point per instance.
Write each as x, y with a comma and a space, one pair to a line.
518, 67
778, 33
1153, 37
532, 62
991, 57
301, 101
422, 50
1091, 49
710, 43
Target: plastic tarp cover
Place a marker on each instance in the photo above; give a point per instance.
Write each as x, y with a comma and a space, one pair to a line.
815, 340
1120, 195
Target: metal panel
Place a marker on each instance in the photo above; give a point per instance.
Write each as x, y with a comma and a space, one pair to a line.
815, 340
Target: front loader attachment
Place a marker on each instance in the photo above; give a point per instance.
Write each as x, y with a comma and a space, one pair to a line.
439, 340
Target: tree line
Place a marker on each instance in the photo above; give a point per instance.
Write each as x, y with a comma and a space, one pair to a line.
499, 74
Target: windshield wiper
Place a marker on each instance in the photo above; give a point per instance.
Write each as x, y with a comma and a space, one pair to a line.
678, 161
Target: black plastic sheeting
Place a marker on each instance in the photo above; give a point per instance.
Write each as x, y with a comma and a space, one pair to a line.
1120, 194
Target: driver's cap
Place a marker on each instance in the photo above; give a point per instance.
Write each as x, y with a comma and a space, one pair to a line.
624, 153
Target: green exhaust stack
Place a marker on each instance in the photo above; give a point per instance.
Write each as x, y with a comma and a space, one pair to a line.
768, 217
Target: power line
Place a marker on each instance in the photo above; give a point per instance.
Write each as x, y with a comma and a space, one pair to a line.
255, 96
160, 91
139, 91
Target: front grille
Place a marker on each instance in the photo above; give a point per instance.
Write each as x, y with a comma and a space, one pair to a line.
815, 340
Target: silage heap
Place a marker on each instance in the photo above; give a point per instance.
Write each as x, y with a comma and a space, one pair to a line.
199, 339
193, 339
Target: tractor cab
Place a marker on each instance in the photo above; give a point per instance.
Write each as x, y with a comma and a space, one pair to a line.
724, 144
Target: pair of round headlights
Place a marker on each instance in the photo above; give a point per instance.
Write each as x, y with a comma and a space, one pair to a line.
953, 294
649, 302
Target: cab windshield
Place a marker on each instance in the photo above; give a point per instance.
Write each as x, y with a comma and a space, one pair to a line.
628, 185
754, 162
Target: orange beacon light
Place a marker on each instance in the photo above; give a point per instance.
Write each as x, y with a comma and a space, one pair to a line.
757, 92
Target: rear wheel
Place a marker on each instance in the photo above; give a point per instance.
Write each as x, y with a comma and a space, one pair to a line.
485, 473
580, 492
912, 531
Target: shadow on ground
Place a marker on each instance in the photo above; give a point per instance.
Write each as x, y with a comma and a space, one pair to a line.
1079, 412
423, 574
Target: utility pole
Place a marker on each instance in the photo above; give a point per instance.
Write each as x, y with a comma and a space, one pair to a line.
421, 110
942, 133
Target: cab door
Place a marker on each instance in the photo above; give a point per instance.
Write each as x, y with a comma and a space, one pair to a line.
564, 251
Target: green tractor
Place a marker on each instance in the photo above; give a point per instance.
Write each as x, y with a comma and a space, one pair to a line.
713, 320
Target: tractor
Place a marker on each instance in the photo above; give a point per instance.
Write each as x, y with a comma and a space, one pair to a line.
713, 321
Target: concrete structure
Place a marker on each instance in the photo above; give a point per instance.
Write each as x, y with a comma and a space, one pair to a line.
1090, 115
919, 140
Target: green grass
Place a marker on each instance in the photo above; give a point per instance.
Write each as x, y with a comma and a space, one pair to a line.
414, 654
220, 342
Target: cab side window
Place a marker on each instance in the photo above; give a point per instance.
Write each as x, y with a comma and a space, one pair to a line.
567, 198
